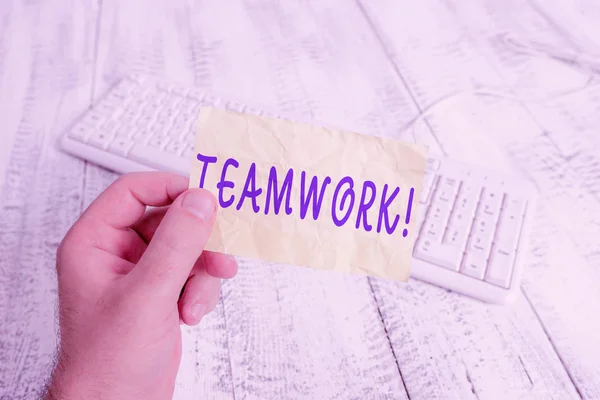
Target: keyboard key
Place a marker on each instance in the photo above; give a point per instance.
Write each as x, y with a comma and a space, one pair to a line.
461, 218
118, 99
149, 95
80, 132
189, 133
158, 142
182, 120
509, 229
440, 212
454, 169
254, 111
176, 132
137, 104
127, 130
160, 160
161, 98
193, 108
180, 90
447, 189
141, 135
146, 120
149, 112
491, 202
99, 139
456, 236
432, 164
433, 229
164, 86
160, 128
480, 244
131, 114
163, 120
180, 127
212, 100
514, 206
192, 116
152, 108
188, 151
500, 267
190, 137
465, 206
93, 120
483, 227
167, 113
176, 101
125, 89
439, 254
120, 146
105, 109
470, 190
236, 106
110, 126
474, 265
196, 95
428, 185
174, 147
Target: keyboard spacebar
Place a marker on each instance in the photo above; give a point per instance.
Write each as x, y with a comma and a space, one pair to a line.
160, 159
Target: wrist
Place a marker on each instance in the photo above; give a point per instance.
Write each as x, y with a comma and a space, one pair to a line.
64, 385
73, 381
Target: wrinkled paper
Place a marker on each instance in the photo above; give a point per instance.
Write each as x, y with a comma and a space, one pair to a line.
251, 228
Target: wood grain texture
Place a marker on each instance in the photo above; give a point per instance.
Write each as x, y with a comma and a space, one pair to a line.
439, 72
514, 123
15, 69
563, 161
41, 196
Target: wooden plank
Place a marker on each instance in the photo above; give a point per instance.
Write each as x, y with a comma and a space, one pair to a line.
575, 20
15, 68
41, 195
475, 339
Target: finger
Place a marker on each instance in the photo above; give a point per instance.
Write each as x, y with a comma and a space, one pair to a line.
101, 267
200, 297
125, 200
217, 264
83, 248
101, 227
176, 245
147, 225
220, 265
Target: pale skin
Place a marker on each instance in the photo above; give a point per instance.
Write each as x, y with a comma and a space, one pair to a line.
128, 277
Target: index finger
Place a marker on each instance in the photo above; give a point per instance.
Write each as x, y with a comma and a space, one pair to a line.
123, 203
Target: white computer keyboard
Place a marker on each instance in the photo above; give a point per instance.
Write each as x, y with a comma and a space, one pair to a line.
473, 224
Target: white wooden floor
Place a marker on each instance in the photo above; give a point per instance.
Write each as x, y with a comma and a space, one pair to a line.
365, 65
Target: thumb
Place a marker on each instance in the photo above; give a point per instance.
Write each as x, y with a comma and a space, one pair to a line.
176, 245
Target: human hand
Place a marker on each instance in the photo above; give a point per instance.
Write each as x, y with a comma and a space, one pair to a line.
121, 269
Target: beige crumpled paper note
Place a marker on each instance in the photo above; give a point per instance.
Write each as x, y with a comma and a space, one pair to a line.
304, 195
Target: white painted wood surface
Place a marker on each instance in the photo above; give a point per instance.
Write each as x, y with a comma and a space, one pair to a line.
284, 332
